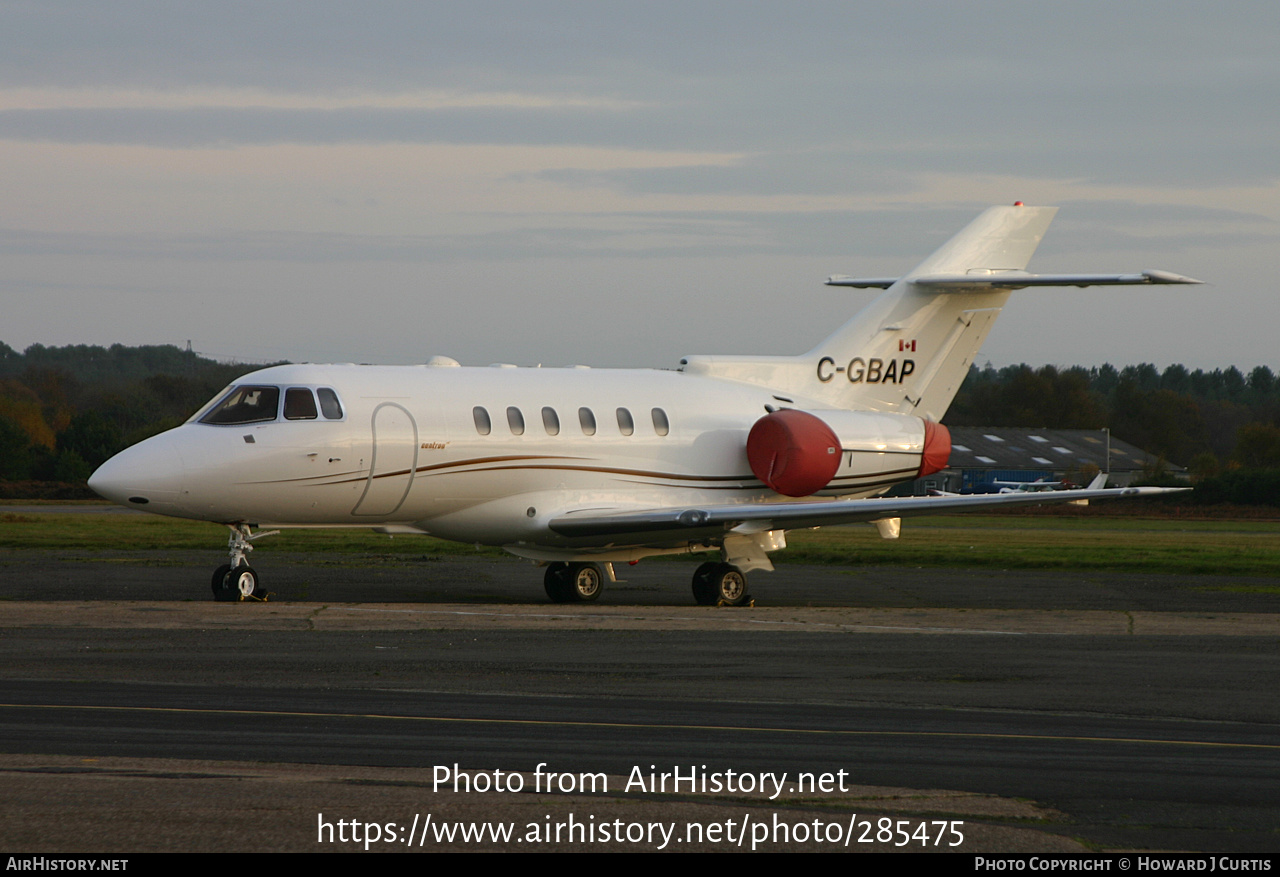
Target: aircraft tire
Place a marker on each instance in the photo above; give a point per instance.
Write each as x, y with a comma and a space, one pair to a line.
704, 592
731, 585
586, 581
555, 581
245, 584
222, 590
720, 584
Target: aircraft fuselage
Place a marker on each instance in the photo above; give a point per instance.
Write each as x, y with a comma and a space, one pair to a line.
485, 455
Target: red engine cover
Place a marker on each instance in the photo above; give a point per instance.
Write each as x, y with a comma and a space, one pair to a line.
795, 453
937, 448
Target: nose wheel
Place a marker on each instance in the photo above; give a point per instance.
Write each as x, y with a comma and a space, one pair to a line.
233, 584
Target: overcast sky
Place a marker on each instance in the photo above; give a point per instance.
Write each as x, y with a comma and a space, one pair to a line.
622, 184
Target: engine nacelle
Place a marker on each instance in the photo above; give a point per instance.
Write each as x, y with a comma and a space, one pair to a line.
793, 452
799, 453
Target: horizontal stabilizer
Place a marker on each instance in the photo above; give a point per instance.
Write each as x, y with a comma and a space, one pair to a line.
1015, 280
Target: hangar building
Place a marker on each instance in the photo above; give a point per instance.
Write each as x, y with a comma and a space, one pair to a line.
1002, 453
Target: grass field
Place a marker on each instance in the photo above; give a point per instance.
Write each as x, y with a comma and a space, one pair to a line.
1231, 547
1002, 542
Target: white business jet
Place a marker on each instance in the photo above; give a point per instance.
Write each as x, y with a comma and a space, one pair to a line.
578, 469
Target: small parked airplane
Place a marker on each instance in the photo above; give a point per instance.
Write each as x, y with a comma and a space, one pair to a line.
1041, 485
579, 468
1038, 486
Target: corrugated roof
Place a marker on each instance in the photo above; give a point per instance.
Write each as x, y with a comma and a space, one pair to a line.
1007, 447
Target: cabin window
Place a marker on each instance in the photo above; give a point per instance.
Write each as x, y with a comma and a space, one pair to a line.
626, 425
515, 420
480, 415
587, 418
550, 421
299, 404
249, 404
330, 407
661, 425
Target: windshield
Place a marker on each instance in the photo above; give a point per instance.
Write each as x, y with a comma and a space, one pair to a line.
249, 404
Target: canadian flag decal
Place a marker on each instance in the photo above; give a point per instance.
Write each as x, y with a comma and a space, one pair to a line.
906, 345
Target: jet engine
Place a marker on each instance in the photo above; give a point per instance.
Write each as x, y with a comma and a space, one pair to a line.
799, 453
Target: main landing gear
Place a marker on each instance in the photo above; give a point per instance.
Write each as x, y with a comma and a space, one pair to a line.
573, 582
714, 584
720, 584
236, 581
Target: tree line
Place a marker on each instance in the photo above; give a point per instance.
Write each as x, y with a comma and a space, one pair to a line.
1208, 421
65, 410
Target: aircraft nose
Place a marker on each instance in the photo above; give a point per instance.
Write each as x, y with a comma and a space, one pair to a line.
147, 476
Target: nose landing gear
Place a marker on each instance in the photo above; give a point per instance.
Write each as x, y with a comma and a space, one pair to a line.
237, 581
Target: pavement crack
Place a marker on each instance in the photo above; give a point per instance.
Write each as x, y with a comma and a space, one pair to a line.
311, 618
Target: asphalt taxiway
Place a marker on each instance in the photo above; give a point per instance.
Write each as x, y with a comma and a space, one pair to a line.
1048, 711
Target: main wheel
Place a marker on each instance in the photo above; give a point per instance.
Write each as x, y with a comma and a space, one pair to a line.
730, 584
717, 584
586, 581
555, 581
704, 593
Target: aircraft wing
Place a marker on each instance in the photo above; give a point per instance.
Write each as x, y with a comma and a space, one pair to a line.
1015, 280
810, 513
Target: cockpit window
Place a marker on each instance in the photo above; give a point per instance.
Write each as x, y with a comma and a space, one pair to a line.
330, 407
299, 404
248, 404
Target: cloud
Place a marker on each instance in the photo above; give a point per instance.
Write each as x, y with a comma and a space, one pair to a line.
672, 152
903, 233
265, 99
200, 127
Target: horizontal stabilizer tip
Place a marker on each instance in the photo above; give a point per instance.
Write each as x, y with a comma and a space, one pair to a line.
1168, 277
861, 282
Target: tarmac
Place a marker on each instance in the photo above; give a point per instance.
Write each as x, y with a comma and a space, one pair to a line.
1032, 712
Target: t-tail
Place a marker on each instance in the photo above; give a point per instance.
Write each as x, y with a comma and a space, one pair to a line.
909, 350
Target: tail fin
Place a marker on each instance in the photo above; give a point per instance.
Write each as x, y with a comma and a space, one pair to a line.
911, 347
908, 350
